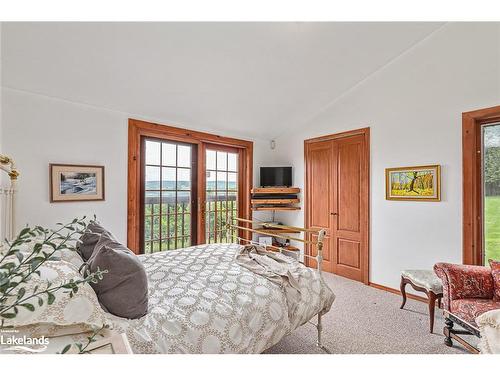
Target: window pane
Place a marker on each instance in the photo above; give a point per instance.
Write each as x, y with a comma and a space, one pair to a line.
221, 160
187, 224
232, 181
152, 152
152, 178
491, 192
183, 156
164, 227
168, 178
183, 179
221, 180
152, 201
210, 159
183, 201
210, 180
232, 164
156, 227
168, 154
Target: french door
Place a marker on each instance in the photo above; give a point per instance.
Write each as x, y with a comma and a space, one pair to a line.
168, 195
184, 187
221, 193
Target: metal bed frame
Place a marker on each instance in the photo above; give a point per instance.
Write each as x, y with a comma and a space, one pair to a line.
7, 195
321, 233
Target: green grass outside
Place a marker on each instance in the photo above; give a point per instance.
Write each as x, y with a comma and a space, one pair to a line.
492, 228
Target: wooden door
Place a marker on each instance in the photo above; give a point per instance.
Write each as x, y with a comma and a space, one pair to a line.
319, 201
221, 195
337, 190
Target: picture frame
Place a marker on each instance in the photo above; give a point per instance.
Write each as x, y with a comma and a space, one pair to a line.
418, 183
76, 183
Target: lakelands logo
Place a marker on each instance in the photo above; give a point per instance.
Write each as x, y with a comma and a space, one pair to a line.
11, 341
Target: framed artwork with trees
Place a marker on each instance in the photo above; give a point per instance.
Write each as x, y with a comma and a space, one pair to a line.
421, 183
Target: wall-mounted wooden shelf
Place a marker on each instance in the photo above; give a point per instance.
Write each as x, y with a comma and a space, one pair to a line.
275, 190
275, 201
277, 230
275, 208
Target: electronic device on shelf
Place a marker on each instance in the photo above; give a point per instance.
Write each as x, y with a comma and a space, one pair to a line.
275, 176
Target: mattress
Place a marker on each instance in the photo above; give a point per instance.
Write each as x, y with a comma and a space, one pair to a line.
202, 301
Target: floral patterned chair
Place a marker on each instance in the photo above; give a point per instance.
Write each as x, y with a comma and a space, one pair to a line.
468, 292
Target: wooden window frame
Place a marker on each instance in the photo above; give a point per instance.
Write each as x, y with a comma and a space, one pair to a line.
138, 129
472, 184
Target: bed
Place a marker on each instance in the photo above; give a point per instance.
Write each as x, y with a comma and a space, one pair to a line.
202, 301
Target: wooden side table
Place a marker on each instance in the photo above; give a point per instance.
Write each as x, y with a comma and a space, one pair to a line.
423, 281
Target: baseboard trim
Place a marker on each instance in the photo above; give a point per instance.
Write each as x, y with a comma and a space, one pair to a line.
395, 291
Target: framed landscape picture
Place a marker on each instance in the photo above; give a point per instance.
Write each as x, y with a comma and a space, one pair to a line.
71, 183
422, 183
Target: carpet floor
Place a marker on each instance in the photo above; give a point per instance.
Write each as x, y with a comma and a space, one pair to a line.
365, 320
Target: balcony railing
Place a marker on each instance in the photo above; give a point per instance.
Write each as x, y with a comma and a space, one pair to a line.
167, 224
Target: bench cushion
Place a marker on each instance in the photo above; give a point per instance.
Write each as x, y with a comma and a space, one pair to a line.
426, 279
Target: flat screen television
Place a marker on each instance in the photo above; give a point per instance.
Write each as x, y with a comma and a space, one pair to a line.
275, 176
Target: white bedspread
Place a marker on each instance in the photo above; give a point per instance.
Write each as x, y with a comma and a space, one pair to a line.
202, 301
489, 326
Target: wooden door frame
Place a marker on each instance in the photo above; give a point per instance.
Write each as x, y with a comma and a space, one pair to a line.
365, 198
472, 240
138, 129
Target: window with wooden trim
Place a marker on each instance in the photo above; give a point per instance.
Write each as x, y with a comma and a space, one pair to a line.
184, 186
481, 185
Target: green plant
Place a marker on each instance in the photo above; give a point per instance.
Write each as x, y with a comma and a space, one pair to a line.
83, 347
17, 266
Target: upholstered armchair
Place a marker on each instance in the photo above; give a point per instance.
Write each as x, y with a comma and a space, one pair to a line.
468, 292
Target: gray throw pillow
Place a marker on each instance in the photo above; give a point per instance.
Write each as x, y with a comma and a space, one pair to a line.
123, 291
90, 238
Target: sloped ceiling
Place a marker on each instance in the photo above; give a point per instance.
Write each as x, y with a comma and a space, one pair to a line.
254, 79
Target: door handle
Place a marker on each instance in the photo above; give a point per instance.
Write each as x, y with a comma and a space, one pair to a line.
333, 213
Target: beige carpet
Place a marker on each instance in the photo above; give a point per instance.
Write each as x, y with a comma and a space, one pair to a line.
367, 320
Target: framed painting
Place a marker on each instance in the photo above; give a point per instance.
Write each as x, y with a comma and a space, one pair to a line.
422, 183
74, 183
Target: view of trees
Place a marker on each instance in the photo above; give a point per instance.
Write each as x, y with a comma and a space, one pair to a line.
492, 171
416, 182
491, 177
174, 226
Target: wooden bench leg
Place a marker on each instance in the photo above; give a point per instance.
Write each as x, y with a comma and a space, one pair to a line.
402, 286
432, 304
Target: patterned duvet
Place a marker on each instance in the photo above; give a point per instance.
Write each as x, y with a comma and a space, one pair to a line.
202, 301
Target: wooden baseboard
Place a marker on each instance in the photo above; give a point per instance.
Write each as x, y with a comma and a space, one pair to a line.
396, 291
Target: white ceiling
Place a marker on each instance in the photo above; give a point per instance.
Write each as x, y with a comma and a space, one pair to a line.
253, 79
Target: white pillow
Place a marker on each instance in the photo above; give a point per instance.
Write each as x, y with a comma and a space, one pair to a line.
69, 255
81, 312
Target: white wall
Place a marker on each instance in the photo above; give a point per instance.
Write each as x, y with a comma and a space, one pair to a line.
39, 130
413, 107
0, 93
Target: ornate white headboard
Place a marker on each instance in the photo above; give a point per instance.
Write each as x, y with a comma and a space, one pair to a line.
7, 199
